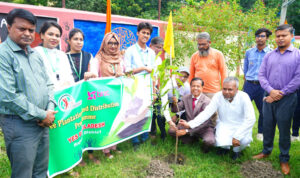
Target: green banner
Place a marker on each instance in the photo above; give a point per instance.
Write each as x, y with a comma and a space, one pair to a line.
96, 114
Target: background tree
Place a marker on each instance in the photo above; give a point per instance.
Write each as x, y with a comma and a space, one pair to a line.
231, 29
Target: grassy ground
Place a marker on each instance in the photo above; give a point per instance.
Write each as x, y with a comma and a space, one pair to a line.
197, 164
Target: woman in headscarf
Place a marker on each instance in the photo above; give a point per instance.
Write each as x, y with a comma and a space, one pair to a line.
108, 63
109, 57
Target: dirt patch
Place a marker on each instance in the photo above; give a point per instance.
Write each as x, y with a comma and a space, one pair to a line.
171, 159
159, 169
259, 169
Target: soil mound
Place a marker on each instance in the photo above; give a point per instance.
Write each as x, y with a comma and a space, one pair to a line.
259, 169
171, 159
159, 169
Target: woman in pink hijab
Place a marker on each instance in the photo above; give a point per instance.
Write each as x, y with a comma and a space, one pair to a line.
109, 57
108, 62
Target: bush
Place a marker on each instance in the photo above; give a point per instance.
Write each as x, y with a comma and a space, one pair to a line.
231, 29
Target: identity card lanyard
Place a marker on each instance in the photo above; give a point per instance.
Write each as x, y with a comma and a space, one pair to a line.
113, 68
141, 55
80, 64
54, 67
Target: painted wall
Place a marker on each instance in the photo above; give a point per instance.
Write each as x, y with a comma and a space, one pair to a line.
94, 34
92, 24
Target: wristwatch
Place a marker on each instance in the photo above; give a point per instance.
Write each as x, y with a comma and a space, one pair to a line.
187, 130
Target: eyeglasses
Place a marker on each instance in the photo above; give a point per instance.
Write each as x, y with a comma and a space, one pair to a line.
261, 36
113, 43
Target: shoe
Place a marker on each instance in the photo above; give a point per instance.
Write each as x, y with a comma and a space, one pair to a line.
236, 155
92, 158
74, 173
118, 151
205, 148
82, 163
295, 138
222, 151
285, 168
260, 137
109, 156
260, 156
153, 140
136, 146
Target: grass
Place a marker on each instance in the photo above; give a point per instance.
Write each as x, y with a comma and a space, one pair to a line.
197, 164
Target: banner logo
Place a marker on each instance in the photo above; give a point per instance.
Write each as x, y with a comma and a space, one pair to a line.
66, 102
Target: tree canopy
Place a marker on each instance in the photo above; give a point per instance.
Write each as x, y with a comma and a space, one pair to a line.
148, 9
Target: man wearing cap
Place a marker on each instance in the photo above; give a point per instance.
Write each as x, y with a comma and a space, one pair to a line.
193, 104
180, 89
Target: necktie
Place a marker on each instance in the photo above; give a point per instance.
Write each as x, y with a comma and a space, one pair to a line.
194, 103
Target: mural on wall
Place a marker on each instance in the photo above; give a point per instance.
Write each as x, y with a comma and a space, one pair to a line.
40, 21
65, 36
94, 33
126, 37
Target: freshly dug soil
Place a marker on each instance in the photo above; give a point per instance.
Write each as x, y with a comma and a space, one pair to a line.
259, 169
159, 169
171, 159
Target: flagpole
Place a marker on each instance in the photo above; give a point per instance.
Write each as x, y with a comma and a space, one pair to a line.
108, 17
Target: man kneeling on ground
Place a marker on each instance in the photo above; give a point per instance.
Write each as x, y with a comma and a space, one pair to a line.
193, 104
235, 118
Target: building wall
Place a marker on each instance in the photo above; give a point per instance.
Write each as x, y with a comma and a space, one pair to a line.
92, 24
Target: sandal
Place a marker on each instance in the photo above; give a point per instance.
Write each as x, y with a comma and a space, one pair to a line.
109, 156
82, 163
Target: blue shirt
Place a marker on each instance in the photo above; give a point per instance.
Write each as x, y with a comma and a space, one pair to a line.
136, 57
252, 62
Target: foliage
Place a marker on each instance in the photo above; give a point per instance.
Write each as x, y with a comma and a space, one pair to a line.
247, 4
293, 16
134, 8
148, 9
231, 29
293, 12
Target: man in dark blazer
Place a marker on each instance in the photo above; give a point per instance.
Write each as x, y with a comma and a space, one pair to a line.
193, 104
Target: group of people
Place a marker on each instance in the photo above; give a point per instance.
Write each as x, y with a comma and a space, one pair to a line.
220, 115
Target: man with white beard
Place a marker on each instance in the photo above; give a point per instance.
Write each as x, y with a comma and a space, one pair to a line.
236, 118
208, 64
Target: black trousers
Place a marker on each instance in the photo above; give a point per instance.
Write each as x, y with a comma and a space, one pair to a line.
296, 118
280, 113
161, 121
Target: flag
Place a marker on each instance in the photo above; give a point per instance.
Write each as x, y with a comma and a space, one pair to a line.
169, 38
108, 17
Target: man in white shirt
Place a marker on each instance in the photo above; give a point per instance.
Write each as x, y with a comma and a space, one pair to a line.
236, 118
140, 59
180, 88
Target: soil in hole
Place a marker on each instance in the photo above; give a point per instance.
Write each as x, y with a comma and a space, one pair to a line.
159, 169
259, 169
171, 159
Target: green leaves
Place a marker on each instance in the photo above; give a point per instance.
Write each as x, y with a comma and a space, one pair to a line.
231, 29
